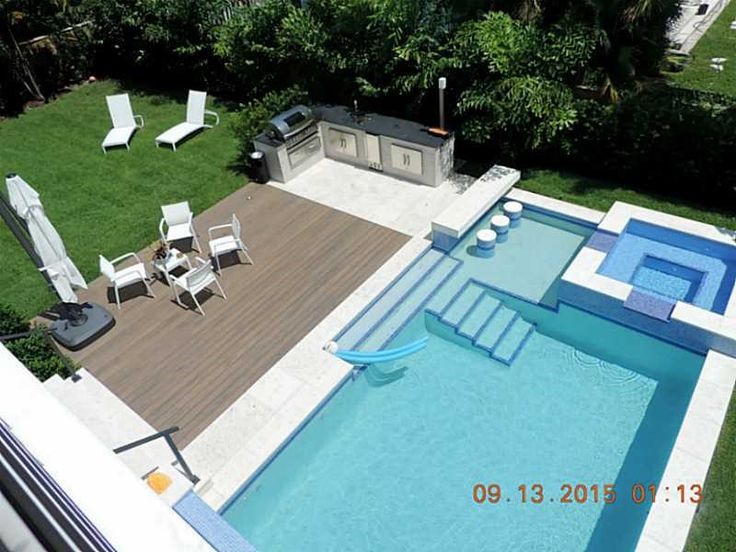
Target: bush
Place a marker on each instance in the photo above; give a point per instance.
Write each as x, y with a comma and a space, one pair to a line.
168, 41
34, 351
669, 140
11, 322
37, 355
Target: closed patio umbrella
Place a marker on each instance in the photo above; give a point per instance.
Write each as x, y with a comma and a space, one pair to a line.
47, 243
76, 325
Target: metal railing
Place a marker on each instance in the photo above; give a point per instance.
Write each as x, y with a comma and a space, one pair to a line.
166, 435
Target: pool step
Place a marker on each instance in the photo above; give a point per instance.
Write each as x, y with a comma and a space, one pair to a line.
512, 342
495, 328
477, 317
484, 322
392, 310
462, 304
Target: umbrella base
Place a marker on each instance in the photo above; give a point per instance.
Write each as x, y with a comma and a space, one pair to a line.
74, 336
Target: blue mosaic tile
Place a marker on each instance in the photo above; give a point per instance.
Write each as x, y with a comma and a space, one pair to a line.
442, 241
210, 525
602, 241
656, 307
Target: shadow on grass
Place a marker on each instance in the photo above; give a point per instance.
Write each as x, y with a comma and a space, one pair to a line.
591, 187
161, 95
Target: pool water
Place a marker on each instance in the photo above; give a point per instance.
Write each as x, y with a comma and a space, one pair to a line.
668, 279
524, 263
391, 461
673, 266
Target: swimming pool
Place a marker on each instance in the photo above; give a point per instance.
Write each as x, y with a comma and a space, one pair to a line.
672, 265
558, 397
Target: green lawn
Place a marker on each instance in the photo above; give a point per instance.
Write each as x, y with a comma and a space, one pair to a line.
106, 204
714, 528
598, 194
719, 41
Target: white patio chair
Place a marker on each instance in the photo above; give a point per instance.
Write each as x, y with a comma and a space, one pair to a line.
177, 223
123, 122
194, 122
228, 243
126, 276
196, 280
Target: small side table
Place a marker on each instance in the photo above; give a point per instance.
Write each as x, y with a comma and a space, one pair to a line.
174, 260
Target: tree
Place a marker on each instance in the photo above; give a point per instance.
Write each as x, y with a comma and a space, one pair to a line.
519, 78
23, 20
159, 40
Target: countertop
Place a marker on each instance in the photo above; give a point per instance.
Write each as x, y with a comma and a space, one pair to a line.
373, 123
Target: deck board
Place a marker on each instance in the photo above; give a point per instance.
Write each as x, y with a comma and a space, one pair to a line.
176, 367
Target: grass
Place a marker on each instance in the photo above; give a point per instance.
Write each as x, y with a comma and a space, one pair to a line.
718, 41
600, 195
106, 204
714, 528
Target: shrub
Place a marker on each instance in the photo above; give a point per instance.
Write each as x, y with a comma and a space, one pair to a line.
34, 351
162, 41
37, 355
11, 322
666, 139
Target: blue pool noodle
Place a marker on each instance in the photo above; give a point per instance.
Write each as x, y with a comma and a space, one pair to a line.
372, 357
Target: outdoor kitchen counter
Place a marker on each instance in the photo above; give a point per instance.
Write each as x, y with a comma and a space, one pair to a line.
381, 125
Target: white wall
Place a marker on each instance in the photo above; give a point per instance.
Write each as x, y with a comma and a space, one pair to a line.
122, 507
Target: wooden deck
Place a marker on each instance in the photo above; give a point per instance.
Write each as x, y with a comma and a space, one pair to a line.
175, 367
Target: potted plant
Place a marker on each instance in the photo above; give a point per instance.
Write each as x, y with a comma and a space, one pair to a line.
162, 252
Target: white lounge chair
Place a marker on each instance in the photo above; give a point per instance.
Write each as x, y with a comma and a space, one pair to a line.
126, 276
228, 243
196, 280
123, 122
177, 223
194, 122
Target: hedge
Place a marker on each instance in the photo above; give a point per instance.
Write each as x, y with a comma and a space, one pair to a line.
670, 140
34, 350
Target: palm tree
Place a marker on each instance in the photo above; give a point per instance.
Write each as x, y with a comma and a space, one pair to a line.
634, 38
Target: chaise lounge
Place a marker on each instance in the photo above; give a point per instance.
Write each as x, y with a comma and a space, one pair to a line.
123, 122
194, 123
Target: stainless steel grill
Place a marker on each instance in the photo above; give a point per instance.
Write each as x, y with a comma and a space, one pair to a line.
293, 126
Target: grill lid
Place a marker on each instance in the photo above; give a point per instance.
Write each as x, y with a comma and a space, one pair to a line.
290, 122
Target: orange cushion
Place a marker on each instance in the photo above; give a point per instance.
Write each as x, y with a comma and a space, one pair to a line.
159, 482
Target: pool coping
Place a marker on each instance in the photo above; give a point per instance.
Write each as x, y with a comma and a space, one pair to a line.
452, 223
577, 213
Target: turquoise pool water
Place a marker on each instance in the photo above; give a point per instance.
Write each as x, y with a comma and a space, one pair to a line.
391, 461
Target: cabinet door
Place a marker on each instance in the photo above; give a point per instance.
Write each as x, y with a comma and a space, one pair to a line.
372, 149
344, 143
406, 159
